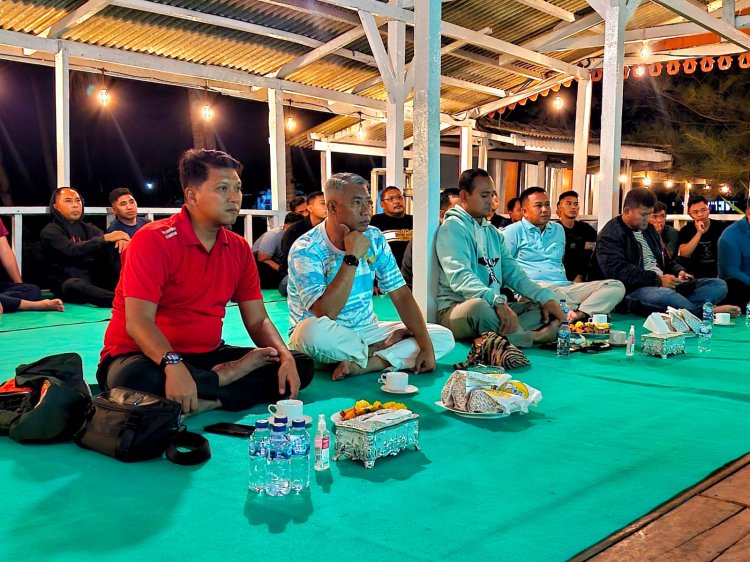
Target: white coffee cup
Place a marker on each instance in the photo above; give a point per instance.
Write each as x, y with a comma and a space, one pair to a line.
292, 409
617, 337
599, 318
722, 318
394, 381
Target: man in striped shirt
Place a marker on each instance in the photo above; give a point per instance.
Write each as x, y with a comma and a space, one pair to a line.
629, 249
331, 273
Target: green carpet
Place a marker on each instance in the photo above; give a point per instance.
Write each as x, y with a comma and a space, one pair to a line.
612, 438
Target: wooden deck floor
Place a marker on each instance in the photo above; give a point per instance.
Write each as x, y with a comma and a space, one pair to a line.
710, 521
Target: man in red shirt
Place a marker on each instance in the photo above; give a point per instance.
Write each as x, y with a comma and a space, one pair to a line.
178, 275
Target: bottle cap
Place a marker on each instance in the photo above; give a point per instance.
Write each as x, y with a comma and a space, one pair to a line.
279, 427
261, 424
321, 421
299, 422
281, 419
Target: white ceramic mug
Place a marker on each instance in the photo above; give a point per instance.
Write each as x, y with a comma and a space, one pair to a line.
722, 318
617, 337
292, 409
394, 380
599, 318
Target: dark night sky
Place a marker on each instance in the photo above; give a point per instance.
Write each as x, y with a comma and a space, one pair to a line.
136, 139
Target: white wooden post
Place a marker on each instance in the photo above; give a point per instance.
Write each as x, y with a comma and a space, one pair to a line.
482, 157
277, 145
426, 151
394, 126
583, 126
467, 159
62, 117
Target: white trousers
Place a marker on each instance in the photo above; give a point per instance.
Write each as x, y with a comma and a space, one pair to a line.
326, 341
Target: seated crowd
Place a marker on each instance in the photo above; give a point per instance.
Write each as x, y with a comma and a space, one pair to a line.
332, 255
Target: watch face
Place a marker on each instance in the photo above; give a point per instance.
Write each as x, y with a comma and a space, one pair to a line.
172, 357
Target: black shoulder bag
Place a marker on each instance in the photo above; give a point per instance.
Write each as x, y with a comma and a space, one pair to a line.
131, 425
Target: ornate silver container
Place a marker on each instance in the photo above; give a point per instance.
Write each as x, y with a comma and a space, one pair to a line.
662, 345
360, 443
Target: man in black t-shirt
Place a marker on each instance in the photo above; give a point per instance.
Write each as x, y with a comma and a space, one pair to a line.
393, 222
317, 212
698, 241
580, 238
498, 221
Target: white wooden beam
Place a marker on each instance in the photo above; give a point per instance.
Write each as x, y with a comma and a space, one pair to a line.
697, 15
319, 52
728, 12
494, 62
277, 146
511, 99
394, 126
473, 86
582, 133
549, 9
600, 6
466, 160
74, 18
391, 81
62, 117
308, 7
426, 177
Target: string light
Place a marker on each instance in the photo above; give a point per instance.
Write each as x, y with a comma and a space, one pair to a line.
361, 135
707, 188
623, 178
640, 70
104, 98
645, 50
669, 184
291, 124
207, 111
558, 103
725, 189
646, 181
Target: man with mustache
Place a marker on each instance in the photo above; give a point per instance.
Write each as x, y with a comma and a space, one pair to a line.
179, 274
393, 222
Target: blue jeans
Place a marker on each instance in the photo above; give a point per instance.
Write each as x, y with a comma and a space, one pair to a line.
691, 295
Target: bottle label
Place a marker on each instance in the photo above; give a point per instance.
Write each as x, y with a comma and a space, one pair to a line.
323, 442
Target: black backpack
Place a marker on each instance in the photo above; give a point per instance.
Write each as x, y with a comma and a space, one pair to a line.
47, 400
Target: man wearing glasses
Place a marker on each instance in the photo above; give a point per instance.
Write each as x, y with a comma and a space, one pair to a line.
393, 222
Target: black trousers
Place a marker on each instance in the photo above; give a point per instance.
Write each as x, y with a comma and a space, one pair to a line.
261, 386
11, 295
82, 291
269, 277
739, 293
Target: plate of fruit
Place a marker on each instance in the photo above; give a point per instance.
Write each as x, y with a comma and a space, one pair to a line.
590, 330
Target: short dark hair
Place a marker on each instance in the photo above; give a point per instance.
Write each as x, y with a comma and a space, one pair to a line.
445, 198
296, 202
292, 217
389, 188
314, 195
512, 203
528, 192
639, 197
56, 194
195, 162
695, 199
466, 179
659, 207
565, 194
118, 192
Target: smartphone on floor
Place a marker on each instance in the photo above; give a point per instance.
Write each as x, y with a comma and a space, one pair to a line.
231, 429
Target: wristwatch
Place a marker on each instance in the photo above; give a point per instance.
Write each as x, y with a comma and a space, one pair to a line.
499, 300
170, 358
349, 259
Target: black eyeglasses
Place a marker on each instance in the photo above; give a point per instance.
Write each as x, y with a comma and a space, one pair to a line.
394, 198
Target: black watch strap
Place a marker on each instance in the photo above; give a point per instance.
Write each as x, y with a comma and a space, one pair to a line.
350, 259
170, 358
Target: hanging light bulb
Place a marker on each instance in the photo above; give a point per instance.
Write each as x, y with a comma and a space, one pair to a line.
640, 70
558, 103
669, 184
725, 189
646, 181
623, 178
361, 135
207, 112
645, 50
291, 124
707, 188
104, 98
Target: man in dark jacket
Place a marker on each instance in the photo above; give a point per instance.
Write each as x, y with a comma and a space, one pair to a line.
83, 263
629, 249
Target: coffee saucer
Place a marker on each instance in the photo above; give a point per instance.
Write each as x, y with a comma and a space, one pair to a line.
728, 324
410, 389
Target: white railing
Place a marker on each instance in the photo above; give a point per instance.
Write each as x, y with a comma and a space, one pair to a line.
17, 213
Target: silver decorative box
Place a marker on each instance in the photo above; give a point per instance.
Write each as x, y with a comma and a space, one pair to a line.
358, 442
662, 345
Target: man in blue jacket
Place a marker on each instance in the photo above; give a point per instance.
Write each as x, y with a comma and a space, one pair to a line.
734, 260
474, 266
630, 250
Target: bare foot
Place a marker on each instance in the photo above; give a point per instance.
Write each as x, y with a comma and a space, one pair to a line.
234, 370
734, 311
204, 406
377, 346
349, 368
55, 305
547, 333
397, 336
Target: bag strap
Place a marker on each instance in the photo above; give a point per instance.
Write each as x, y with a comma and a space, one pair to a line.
200, 450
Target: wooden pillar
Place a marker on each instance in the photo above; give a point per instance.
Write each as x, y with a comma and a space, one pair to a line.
62, 117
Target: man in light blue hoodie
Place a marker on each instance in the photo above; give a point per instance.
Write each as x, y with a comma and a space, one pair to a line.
474, 266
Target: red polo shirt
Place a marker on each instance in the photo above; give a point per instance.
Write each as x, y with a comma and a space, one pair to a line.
167, 265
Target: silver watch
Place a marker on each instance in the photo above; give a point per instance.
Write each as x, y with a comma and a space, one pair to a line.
499, 299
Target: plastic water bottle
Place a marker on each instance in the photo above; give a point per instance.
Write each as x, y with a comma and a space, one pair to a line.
322, 445
747, 314
258, 450
278, 462
708, 313
704, 337
630, 347
300, 467
563, 332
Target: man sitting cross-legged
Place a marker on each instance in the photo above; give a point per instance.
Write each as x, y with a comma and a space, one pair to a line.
331, 273
630, 250
538, 246
474, 267
179, 273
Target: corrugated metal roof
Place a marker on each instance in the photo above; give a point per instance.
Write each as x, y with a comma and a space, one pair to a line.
262, 54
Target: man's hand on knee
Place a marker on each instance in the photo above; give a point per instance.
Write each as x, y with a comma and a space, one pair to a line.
508, 319
180, 387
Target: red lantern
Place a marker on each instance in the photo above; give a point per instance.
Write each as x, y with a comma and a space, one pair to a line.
707, 64
689, 66
724, 62
744, 60
596, 74
673, 67
626, 73
654, 69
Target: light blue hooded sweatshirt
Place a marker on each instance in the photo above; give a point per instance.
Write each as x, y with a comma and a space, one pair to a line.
474, 263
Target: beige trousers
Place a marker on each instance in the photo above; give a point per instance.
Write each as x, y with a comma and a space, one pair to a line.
592, 297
